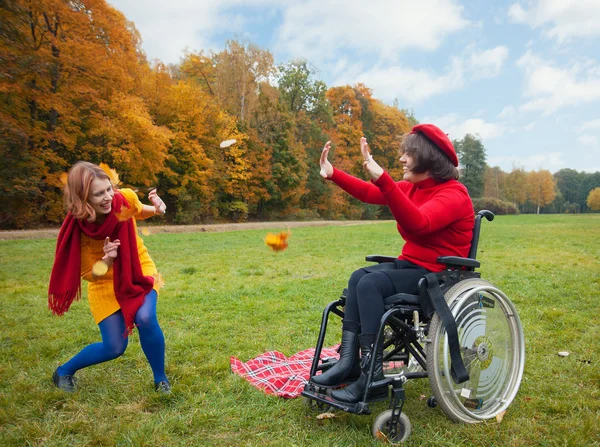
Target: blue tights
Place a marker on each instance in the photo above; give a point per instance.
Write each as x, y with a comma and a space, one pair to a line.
113, 343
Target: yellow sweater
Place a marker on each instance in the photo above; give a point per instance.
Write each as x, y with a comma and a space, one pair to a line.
101, 294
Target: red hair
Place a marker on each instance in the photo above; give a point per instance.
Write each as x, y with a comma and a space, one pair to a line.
77, 190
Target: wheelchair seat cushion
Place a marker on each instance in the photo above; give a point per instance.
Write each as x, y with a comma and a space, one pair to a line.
402, 299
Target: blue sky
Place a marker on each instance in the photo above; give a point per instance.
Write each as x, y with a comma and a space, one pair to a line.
522, 75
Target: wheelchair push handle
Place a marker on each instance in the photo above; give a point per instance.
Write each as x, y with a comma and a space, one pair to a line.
487, 214
476, 230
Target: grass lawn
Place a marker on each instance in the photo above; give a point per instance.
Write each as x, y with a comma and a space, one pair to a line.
227, 295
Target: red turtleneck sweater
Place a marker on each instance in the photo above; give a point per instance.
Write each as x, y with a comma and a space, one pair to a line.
435, 219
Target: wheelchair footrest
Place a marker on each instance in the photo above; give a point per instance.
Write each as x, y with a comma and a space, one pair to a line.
357, 408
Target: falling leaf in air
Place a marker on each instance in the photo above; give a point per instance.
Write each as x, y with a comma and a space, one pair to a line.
99, 268
227, 143
124, 214
159, 281
112, 174
277, 242
145, 231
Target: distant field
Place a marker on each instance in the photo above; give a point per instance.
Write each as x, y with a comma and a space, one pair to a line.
227, 295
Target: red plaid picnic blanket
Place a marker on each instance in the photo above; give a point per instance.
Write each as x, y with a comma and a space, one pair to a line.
274, 373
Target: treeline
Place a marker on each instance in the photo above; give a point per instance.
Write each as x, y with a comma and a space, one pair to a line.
566, 191
75, 85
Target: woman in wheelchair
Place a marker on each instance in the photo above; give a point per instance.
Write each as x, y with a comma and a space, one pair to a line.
434, 216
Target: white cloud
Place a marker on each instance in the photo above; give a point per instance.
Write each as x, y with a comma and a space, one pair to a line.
553, 88
487, 63
169, 27
507, 111
588, 140
457, 128
317, 29
561, 19
590, 125
416, 85
552, 161
403, 82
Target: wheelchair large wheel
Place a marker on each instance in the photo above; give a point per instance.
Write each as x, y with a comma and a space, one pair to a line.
492, 346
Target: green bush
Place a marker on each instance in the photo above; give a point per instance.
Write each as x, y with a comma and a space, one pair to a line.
496, 206
237, 211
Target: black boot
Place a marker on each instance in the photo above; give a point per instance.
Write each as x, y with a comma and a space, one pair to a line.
355, 392
346, 368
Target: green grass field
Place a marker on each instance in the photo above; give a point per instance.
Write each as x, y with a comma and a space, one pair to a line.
227, 295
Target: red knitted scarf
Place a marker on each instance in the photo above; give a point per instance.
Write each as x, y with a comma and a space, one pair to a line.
130, 285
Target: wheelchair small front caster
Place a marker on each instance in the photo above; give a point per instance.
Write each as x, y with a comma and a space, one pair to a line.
395, 435
432, 402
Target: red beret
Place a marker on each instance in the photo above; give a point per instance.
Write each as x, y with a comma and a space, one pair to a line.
439, 138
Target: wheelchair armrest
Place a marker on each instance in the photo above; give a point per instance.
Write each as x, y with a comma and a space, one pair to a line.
455, 261
379, 258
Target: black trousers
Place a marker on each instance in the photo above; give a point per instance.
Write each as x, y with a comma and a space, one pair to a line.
368, 286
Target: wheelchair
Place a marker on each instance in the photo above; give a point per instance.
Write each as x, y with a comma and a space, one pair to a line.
461, 332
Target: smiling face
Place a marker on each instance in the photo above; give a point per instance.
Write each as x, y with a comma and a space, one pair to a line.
408, 162
101, 195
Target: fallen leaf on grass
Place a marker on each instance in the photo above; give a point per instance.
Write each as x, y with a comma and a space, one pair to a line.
563, 353
326, 416
500, 416
380, 436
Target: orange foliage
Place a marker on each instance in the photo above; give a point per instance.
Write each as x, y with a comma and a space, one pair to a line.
278, 242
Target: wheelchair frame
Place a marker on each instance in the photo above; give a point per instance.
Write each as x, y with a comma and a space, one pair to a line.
414, 323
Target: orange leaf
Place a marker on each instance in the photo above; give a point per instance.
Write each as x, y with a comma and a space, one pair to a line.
112, 174
99, 268
124, 214
159, 281
277, 242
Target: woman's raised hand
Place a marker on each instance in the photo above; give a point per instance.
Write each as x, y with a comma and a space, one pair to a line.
111, 249
159, 206
370, 165
326, 167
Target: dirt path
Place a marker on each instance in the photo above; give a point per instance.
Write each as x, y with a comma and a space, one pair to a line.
276, 226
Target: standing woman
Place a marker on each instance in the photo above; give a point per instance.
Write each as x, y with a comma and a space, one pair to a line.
98, 242
434, 215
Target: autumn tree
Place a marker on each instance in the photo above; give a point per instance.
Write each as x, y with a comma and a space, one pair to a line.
494, 182
72, 68
590, 181
275, 127
593, 199
471, 154
540, 188
239, 71
515, 190
304, 96
345, 153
